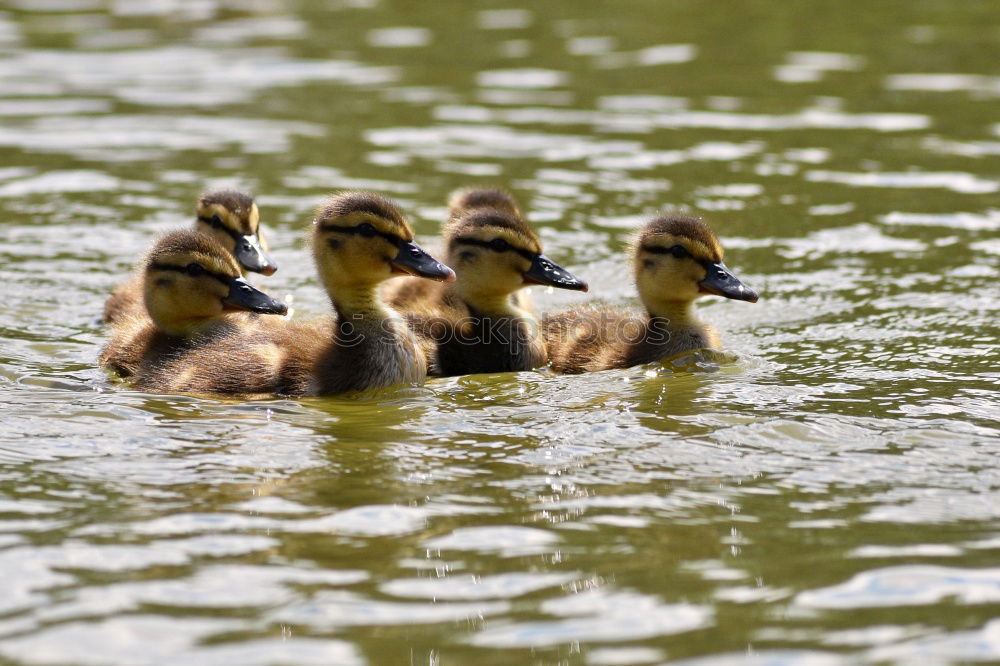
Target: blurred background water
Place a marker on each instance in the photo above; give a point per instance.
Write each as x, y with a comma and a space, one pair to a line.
829, 496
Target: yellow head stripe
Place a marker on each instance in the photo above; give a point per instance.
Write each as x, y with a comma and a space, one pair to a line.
254, 218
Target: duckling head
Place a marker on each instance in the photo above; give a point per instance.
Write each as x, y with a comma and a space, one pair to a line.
495, 253
232, 218
677, 260
466, 200
361, 239
190, 280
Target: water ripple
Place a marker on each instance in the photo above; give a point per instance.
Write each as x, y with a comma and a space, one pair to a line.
465, 588
824, 492
148, 640
183, 75
130, 138
965, 183
911, 585
645, 122
597, 616
981, 85
507, 541
343, 609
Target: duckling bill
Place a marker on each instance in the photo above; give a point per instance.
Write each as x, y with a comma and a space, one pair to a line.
721, 282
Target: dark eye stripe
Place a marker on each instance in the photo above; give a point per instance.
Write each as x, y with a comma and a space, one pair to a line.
493, 245
221, 277
678, 251
368, 231
216, 223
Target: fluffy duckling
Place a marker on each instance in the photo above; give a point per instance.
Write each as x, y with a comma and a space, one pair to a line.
676, 260
233, 220
483, 322
360, 240
192, 290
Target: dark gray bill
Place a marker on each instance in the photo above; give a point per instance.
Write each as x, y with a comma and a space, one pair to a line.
244, 296
545, 271
412, 260
252, 256
719, 281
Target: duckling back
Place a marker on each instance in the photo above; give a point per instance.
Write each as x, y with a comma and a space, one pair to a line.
136, 348
125, 300
257, 357
591, 339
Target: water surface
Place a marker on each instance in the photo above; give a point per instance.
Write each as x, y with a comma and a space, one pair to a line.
829, 494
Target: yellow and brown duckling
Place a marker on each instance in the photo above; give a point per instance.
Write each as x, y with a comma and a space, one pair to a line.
360, 239
676, 260
233, 220
193, 292
483, 321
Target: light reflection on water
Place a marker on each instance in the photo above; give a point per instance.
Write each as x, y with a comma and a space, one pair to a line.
826, 489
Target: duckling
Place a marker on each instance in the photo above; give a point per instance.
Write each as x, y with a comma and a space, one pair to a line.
484, 321
192, 289
233, 220
360, 239
675, 260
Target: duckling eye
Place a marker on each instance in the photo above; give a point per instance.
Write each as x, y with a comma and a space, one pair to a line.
679, 252
499, 245
366, 230
194, 270
216, 221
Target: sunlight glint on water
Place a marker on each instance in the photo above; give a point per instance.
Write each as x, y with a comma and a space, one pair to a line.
824, 490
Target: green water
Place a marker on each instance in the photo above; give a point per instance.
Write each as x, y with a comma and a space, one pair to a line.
830, 495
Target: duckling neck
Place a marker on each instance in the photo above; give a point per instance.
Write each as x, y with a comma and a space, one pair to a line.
175, 327
360, 301
372, 345
673, 328
494, 334
490, 304
674, 314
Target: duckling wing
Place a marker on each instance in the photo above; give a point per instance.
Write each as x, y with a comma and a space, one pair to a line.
427, 332
586, 339
125, 300
130, 342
